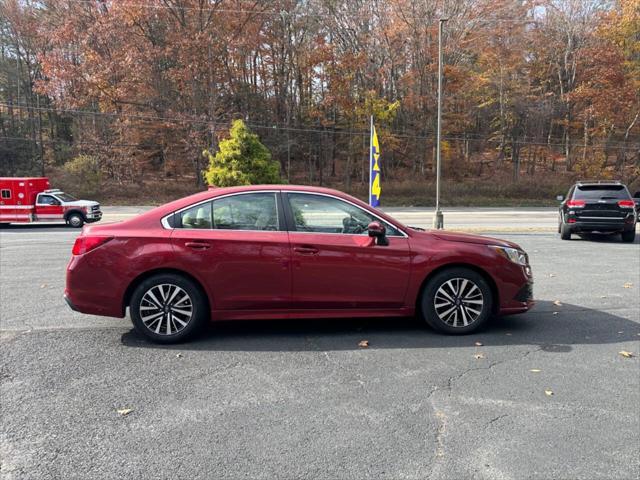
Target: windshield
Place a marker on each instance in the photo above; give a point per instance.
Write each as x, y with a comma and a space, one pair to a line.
65, 197
601, 192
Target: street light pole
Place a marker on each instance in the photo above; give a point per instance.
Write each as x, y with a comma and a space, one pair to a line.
438, 219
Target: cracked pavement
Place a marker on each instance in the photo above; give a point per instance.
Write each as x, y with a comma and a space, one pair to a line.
299, 399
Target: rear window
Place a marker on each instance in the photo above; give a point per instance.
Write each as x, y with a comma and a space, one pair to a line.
601, 192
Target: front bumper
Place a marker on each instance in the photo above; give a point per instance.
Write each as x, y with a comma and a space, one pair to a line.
93, 216
522, 302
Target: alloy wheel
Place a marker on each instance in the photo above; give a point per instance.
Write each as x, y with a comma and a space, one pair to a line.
166, 309
458, 302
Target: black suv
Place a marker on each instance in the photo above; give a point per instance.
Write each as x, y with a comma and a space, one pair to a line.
602, 206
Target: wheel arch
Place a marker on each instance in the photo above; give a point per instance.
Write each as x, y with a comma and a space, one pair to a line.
126, 299
492, 284
68, 213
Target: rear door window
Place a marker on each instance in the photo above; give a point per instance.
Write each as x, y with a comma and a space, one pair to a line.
249, 211
601, 192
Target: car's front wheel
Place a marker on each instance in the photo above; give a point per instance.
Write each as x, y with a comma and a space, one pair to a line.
456, 301
168, 308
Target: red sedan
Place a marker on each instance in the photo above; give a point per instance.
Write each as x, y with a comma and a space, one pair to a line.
264, 252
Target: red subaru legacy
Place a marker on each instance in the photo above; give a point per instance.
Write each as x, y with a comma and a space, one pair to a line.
264, 252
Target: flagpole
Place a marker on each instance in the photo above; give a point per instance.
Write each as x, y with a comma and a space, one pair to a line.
371, 161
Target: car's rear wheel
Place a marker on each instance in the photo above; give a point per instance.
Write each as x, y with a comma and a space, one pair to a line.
75, 220
565, 232
629, 236
168, 308
457, 301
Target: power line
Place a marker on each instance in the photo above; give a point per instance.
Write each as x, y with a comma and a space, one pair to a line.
445, 138
311, 129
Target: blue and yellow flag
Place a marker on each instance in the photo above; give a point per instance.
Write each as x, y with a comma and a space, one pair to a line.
374, 169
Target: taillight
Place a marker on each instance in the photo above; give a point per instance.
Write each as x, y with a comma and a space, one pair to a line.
86, 244
626, 203
576, 203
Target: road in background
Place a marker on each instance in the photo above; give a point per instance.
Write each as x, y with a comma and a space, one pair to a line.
462, 218
289, 399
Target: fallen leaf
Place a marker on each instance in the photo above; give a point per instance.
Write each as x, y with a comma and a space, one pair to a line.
628, 285
548, 392
626, 354
478, 356
535, 370
478, 344
363, 343
557, 302
125, 411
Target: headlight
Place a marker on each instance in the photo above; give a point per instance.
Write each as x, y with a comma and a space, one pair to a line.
513, 254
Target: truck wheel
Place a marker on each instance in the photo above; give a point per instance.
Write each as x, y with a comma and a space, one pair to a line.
565, 232
629, 236
75, 220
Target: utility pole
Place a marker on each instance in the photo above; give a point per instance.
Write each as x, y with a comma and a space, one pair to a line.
438, 219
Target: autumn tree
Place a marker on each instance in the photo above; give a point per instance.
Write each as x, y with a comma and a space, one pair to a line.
143, 87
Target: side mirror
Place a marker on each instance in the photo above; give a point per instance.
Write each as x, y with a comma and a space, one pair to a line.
560, 198
377, 231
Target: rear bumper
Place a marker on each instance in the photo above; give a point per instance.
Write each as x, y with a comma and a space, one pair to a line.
90, 289
601, 224
608, 226
69, 302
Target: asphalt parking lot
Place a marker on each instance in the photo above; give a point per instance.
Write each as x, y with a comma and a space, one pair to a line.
294, 399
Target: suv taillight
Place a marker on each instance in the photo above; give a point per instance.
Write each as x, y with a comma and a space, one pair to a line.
86, 244
626, 203
576, 203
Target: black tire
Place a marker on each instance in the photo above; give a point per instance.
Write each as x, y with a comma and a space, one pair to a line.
456, 275
629, 236
565, 232
149, 328
75, 220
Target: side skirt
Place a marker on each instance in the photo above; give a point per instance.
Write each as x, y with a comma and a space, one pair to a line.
308, 314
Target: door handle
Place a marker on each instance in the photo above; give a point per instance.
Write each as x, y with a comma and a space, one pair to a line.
197, 245
306, 250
